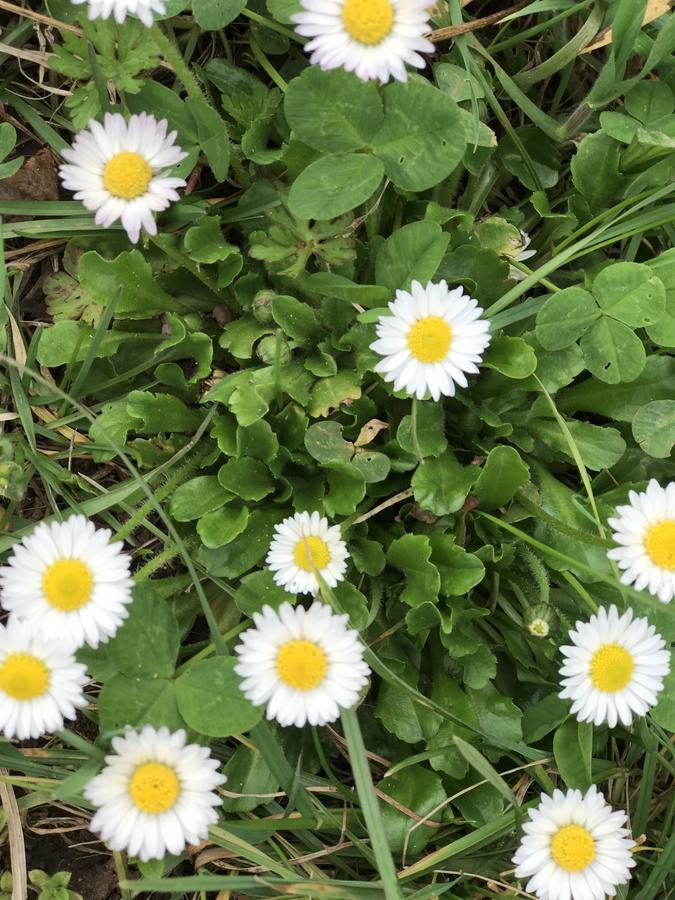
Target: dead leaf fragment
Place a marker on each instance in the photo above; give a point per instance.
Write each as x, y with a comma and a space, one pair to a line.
655, 8
35, 180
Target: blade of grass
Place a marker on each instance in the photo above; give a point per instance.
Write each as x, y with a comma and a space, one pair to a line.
370, 804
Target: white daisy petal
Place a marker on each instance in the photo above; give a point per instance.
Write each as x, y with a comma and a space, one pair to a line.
645, 532
155, 793
574, 847
41, 684
439, 336
303, 664
69, 582
614, 668
372, 38
303, 545
118, 168
143, 9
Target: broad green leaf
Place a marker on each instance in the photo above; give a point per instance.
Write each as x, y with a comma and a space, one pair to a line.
205, 243
664, 711
595, 170
497, 715
146, 645
599, 447
649, 101
161, 413
246, 550
613, 352
422, 137
212, 15
249, 479
354, 603
441, 485
346, 488
330, 284
372, 465
137, 702
296, 319
502, 475
511, 356
572, 749
565, 317
248, 774
431, 438
412, 253
211, 130
631, 293
258, 441
656, 382
334, 185
654, 428
415, 788
663, 331
129, 280
541, 718
221, 526
329, 394
397, 712
460, 571
325, 443
332, 111
196, 497
410, 555
368, 556
211, 701
259, 589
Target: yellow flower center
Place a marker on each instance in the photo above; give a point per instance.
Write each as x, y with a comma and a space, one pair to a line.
127, 175
23, 676
67, 584
429, 339
154, 787
539, 628
311, 553
660, 544
368, 21
611, 668
573, 848
301, 665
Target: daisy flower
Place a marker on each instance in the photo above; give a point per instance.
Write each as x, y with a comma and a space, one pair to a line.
614, 668
144, 9
574, 847
520, 253
155, 794
431, 339
304, 664
645, 530
68, 581
303, 545
372, 38
120, 169
40, 682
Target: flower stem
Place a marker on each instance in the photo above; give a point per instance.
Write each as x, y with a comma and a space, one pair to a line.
171, 53
413, 429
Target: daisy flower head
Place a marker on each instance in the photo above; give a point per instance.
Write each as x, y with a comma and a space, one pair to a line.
432, 338
574, 847
614, 668
305, 664
120, 169
68, 581
144, 9
520, 253
372, 38
155, 794
303, 545
41, 684
645, 532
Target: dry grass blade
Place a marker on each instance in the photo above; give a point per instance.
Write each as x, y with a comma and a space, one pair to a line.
655, 8
39, 17
17, 847
450, 31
